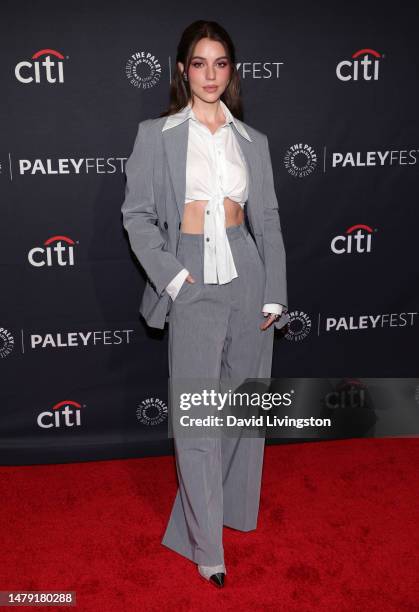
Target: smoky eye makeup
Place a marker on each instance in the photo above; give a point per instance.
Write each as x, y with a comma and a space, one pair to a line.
222, 63
200, 60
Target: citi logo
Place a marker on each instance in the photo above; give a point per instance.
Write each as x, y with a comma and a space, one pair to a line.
63, 414
57, 251
357, 239
365, 69
46, 65
348, 394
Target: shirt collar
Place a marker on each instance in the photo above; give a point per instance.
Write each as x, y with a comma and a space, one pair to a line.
188, 113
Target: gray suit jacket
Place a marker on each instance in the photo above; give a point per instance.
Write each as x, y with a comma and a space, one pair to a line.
153, 209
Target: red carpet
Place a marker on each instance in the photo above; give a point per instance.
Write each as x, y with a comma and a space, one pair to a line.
338, 530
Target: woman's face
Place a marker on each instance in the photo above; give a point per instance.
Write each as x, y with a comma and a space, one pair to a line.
210, 66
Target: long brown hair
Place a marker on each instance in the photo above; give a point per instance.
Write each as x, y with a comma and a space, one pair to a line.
180, 92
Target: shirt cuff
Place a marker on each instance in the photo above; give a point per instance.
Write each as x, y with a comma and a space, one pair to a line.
176, 283
272, 308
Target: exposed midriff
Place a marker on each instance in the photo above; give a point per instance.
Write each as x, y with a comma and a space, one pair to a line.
193, 215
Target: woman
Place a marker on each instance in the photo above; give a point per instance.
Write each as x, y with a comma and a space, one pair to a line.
193, 174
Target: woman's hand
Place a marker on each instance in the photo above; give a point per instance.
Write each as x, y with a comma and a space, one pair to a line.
190, 279
271, 319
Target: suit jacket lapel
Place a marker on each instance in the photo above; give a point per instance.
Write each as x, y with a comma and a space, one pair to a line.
176, 146
254, 167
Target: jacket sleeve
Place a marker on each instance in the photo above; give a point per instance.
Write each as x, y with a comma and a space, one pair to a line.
274, 249
140, 215
272, 308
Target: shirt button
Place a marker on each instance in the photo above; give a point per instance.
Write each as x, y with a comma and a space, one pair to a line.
207, 239
208, 212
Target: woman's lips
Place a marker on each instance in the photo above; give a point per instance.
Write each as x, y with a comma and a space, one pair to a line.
211, 87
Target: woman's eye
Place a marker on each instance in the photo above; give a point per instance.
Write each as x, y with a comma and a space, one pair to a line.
196, 64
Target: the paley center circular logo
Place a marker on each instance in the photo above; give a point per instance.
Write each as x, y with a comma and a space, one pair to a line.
7, 342
300, 160
143, 70
152, 411
299, 326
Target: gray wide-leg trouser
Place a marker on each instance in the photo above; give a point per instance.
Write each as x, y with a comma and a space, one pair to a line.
214, 333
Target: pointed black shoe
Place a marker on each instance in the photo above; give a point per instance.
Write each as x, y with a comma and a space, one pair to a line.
218, 579
213, 573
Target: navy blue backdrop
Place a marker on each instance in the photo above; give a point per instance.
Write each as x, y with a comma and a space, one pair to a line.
336, 90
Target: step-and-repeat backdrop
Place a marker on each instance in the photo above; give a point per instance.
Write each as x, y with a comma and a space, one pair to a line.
335, 89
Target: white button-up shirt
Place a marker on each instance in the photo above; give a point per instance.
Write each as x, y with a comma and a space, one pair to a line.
215, 169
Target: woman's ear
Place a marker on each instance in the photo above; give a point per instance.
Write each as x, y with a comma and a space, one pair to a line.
180, 67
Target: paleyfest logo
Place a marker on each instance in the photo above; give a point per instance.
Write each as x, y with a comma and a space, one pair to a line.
143, 70
358, 69
45, 65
